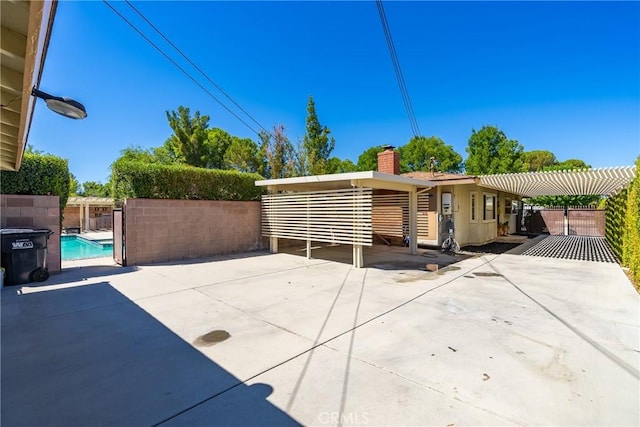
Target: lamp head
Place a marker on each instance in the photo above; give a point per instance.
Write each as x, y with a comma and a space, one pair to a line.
64, 106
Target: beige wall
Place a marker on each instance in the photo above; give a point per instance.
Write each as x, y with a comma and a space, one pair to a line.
20, 211
71, 217
171, 230
482, 231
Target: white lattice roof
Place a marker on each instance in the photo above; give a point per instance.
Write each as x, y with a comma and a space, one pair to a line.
601, 182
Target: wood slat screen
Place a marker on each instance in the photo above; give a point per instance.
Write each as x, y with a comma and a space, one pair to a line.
391, 214
332, 216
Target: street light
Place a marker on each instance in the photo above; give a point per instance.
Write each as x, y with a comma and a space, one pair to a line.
64, 106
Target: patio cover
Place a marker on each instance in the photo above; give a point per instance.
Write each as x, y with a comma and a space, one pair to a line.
597, 182
309, 207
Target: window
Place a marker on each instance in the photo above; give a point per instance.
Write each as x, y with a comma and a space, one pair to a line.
489, 207
473, 203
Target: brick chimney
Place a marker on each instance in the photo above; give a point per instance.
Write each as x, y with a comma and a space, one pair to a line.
389, 161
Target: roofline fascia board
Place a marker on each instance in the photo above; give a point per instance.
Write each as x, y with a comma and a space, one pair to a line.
41, 18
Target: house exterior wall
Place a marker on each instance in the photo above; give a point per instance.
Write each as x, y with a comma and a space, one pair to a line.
171, 230
478, 231
26, 211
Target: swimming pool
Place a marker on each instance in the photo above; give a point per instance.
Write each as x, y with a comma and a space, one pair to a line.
75, 247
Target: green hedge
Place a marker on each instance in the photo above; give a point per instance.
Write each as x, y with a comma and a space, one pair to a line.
623, 226
616, 211
631, 236
39, 174
132, 179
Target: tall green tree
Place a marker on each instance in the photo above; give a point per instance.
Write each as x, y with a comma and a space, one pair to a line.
338, 165
74, 185
490, 152
537, 160
216, 145
416, 155
570, 164
243, 155
317, 143
368, 159
162, 154
94, 189
189, 141
279, 153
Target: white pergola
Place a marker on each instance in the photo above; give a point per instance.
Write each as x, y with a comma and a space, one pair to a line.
85, 203
334, 208
595, 182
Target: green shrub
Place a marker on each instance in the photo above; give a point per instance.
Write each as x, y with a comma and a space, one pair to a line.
615, 211
39, 174
136, 179
631, 235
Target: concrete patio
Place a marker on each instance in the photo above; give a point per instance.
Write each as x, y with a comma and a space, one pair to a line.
262, 339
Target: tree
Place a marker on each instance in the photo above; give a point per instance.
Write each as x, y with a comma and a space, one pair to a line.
337, 165
190, 136
316, 142
571, 164
491, 152
279, 153
216, 145
94, 189
368, 160
243, 155
148, 155
74, 185
537, 160
416, 155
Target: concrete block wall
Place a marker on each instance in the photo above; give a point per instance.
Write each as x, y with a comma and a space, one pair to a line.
172, 230
22, 211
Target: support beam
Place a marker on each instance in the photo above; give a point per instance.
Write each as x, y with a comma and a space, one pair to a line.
86, 217
308, 249
413, 222
358, 258
273, 245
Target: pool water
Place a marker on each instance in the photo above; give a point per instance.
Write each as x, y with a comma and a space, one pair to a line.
75, 247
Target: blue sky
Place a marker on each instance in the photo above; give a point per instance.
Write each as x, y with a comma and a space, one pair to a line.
558, 76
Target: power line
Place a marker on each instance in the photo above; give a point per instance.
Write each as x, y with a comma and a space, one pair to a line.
179, 67
193, 64
396, 66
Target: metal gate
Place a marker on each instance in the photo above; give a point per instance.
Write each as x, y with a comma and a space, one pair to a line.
575, 221
586, 221
118, 237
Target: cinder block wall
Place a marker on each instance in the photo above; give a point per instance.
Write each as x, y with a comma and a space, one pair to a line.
20, 211
171, 230
71, 216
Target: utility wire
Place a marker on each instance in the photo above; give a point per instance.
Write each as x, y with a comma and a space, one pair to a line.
396, 66
194, 65
178, 66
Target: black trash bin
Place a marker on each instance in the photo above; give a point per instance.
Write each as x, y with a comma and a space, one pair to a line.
24, 255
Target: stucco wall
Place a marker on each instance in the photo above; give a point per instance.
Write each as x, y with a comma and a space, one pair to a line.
20, 211
171, 230
482, 231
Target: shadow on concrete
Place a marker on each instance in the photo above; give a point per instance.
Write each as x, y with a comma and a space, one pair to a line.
87, 355
380, 256
204, 260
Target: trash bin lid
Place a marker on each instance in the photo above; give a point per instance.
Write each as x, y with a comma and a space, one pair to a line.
24, 230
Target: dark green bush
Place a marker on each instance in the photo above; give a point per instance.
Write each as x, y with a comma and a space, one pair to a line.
623, 226
134, 179
616, 211
631, 236
39, 174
